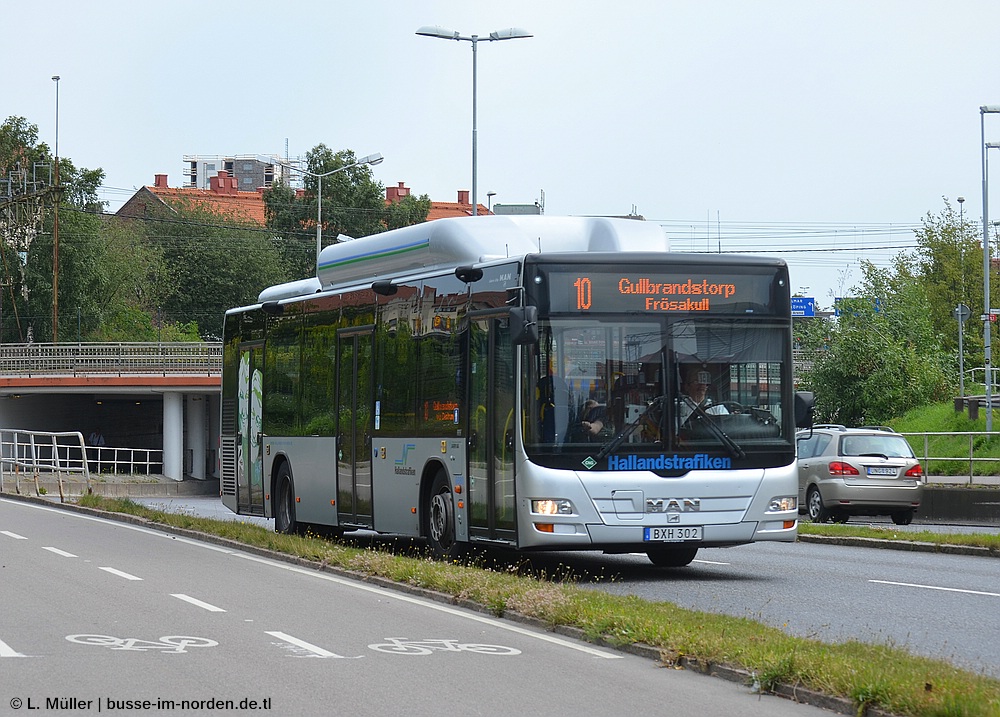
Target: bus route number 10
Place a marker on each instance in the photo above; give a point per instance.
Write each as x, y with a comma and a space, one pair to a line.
583, 293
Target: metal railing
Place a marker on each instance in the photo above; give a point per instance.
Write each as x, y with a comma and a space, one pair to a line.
111, 358
924, 443
36, 455
32, 453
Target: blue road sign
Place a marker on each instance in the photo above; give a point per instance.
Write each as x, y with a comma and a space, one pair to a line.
803, 306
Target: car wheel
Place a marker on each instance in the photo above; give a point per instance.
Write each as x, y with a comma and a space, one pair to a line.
902, 517
814, 504
672, 557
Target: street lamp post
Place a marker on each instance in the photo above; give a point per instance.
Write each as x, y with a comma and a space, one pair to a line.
55, 230
510, 33
371, 159
987, 348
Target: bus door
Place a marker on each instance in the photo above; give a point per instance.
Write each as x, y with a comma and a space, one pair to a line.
250, 459
354, 432
491, 430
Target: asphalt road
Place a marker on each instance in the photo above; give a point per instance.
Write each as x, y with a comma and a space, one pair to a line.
941, 606
99, 615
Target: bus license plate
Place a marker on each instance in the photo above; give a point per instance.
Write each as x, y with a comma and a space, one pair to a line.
673, 534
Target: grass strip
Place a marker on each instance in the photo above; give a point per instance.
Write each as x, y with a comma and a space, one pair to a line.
869, 675
977, 540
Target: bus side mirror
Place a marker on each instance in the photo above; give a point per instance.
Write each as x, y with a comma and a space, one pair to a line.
524, 325
805, 404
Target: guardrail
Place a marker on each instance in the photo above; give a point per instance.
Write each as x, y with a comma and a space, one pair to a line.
925, 443
111, 358
28, 455
37, 452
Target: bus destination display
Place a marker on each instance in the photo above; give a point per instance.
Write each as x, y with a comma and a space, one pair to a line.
657, 293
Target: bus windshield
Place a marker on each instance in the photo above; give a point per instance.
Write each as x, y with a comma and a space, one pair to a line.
619, 382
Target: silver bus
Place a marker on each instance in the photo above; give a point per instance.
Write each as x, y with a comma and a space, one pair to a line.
522, 382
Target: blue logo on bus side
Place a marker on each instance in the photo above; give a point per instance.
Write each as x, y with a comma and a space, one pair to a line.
406, 449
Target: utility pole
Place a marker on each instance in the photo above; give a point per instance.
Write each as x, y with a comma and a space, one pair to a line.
55, 231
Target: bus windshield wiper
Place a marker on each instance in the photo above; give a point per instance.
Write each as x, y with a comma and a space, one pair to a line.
707, 420
629, 429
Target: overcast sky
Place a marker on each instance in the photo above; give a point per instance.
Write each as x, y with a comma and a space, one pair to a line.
761, 126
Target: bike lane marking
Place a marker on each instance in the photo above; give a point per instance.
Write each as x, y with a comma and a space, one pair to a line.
197, 602
120, 573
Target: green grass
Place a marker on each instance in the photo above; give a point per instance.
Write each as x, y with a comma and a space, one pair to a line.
942, 418
978, 540
883, 676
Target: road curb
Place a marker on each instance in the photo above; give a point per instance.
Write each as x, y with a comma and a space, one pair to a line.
913, 546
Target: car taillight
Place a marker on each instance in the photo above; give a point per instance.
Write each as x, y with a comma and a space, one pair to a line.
915, 472
839, 468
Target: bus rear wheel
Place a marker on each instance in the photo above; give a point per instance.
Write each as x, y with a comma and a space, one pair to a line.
676, 557
284, 506
441, 520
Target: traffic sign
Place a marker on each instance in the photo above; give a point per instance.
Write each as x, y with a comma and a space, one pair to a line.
962, 313
803, 306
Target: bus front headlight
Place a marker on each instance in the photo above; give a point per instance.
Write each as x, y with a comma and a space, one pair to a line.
783, 504
552, 506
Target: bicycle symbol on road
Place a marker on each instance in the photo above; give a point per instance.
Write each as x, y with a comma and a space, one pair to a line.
402, 646
169, 643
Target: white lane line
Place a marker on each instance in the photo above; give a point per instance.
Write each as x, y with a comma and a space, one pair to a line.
120, 574
302, 643
57, 551
434, 606
936, 587
8, 651
15, 536
196, 601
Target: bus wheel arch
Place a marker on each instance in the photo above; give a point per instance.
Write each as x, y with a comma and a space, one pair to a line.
437, 521
283, 501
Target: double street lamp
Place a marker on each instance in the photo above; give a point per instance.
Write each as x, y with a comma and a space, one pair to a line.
510, 33
371, 159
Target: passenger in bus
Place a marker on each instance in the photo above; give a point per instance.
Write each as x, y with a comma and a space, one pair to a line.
694, 386
594, 420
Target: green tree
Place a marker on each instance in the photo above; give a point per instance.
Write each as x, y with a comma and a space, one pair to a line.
882, 355
353, 205
949, 265
211, 264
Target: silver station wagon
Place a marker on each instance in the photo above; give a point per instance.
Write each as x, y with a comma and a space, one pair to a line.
845, 472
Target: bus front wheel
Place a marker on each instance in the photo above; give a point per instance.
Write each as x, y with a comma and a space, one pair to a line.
284, 507
672, 557
441, 519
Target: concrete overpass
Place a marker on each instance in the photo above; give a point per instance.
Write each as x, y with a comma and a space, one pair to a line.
140, 395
